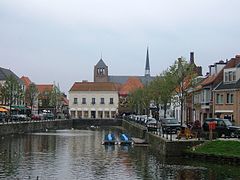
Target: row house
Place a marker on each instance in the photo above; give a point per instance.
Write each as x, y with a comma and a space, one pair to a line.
213, 96
226, 96
203, 93
93, 100
11, 94
48, 98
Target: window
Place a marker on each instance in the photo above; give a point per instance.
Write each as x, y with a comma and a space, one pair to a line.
230, 76
101, 71
219, 99
113, 114
107, 114
226, 77
84, 101
111, 101
79, 114
229, 98
75, 100
85, 114
234, 76
93, 101
102, 101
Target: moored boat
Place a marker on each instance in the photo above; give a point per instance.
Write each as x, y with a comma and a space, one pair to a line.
109, 139
125, 139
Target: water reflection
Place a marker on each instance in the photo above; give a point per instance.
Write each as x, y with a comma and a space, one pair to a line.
78, 154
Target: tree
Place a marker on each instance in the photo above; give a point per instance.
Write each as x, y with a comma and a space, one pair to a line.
31, 95
135, 101
140, 100
183, 75
55, 98
12, 92
162, 88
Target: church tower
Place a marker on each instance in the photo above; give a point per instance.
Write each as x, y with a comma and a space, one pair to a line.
147, 67
101, 72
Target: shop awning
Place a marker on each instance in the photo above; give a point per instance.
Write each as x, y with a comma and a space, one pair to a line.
19, 108
3, 110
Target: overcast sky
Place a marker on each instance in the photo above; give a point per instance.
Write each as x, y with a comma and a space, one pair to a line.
61, 40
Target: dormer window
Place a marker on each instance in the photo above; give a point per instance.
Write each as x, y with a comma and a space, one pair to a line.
230, 76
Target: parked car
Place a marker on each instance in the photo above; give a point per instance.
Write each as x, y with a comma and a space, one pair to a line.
223, 127
48, 116
2, 117
19, 117
36, 117
151, 120
170, 125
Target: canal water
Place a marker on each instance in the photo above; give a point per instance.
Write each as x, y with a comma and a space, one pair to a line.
78, 154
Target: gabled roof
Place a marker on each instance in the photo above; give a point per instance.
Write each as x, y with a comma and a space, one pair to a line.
26, 81
217, 78
44, 87
209, 80
131, 85
4, 73
94, 86
101, 64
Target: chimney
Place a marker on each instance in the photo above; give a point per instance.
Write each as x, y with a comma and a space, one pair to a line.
191, 57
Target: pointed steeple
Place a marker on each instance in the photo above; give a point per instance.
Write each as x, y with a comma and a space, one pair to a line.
147, 67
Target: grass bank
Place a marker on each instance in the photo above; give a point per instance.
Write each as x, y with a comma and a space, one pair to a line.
219, 148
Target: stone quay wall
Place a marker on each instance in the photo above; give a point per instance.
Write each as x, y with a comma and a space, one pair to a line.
163, 146
39, 126
95, 122
33, 126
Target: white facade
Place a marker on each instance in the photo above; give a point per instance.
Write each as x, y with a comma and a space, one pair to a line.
93, 104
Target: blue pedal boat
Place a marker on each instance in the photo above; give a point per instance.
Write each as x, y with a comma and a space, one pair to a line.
125, 139
109, 139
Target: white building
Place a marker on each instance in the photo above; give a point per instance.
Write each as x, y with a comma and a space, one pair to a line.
93, 100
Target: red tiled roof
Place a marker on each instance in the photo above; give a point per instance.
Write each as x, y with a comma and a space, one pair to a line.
233, 62
209, 80
131, 85
44, 87
26, 81
94, 86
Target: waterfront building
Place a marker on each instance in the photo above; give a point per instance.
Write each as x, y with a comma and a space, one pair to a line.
12, 94
226, 95
27, 82
49, 98
93, 100
203, 95
122, 85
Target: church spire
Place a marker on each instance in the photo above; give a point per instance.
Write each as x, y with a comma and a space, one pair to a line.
147, 67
